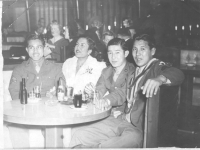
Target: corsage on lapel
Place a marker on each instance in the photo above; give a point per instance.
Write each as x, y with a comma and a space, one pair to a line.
88, 71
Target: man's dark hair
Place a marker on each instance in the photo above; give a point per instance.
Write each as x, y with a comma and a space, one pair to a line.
34, 37
148, 38
124, 32
117, 41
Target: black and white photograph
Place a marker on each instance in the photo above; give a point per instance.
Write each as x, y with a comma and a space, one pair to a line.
100, 74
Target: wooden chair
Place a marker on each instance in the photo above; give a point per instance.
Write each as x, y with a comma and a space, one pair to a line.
161, 118
6, 80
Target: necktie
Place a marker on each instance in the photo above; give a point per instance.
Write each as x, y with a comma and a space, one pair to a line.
37, 68
139, 70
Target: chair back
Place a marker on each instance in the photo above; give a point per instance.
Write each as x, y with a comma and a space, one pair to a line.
6, 81
161, 118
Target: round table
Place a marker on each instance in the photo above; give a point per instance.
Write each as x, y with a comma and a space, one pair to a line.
51, 117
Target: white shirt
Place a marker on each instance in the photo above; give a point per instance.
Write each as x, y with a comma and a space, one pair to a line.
90, 71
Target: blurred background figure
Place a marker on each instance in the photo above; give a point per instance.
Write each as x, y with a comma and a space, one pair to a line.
106, 37
57, 43
95, 33
125, 34
41, 29
128, 23
48, 34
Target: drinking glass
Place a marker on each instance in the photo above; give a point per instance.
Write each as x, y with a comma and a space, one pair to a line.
37, 91
31, 94
96, 97
69, 92
77, 100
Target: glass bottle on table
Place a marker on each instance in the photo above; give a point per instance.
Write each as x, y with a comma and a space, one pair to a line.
23, 92
60, 90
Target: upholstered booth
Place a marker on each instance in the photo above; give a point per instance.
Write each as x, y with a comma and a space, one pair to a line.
161, 118
160, 127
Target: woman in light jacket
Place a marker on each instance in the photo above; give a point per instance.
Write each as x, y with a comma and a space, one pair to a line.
82, 69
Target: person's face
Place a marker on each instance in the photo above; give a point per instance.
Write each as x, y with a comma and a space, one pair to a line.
97, 24
40, 30
142, 53
35, 49
55, 31
125, 23
82, 48
116, 55
107, 39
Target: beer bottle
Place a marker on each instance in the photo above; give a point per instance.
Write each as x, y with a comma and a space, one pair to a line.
60, 90
23, 97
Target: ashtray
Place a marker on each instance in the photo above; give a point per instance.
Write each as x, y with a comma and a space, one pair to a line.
33, 100
190, 64
67, 102
51, 102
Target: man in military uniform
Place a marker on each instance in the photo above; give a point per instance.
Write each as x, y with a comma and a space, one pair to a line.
38, 72
124, 129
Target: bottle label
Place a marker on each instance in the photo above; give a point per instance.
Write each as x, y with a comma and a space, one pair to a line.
60, 96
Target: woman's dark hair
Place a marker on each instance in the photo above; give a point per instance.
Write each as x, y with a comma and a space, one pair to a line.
149, 39
34, 37
91, 43
118, 41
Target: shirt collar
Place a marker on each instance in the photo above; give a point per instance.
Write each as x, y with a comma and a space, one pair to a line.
119, 70
145, 66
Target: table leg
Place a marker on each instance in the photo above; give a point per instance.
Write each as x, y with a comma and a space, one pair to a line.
53, 137
67, 136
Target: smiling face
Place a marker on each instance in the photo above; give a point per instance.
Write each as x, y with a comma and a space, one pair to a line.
82, 48
35, 49
55, 31
116, 55
142, 53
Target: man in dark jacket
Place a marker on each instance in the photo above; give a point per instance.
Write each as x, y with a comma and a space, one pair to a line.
124, 129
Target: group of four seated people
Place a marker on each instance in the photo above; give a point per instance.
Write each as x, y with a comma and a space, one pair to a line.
128, 86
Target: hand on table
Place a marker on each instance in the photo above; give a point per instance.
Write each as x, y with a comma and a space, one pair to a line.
89, 88
102, 104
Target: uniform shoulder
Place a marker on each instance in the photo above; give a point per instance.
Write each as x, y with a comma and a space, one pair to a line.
107, 70
52, 64
21, 66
